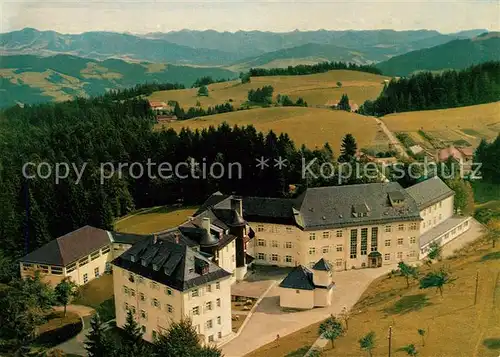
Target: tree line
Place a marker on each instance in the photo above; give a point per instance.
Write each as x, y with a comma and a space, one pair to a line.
487, 155
141, 89
303, 69
194, 112
475, 85
100, 130
206, 80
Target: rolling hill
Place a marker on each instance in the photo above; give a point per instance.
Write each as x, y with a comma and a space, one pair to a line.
457, 54
455, 126
310, 53
105, 45
316, 89
30, 79
309, 126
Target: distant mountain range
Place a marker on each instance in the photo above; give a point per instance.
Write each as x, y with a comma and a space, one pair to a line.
218, 48
31, 79
455, 54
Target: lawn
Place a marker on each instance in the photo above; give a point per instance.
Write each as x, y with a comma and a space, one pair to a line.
312, 127
95, 292
154, 220
467, 125
316, 89
454, 325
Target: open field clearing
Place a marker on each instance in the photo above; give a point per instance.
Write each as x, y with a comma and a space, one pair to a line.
458, 126
312, 127
316, 89
454, 325
154, 220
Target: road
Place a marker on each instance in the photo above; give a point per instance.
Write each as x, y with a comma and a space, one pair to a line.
393, 141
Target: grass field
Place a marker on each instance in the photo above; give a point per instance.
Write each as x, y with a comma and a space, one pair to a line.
153, 220
316, 89
454, 325
456, 126
310, 126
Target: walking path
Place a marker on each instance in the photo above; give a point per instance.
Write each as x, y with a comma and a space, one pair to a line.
269, 320
393, 141
75, 345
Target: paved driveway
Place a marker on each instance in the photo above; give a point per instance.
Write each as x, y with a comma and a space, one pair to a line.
75, 345
269, 321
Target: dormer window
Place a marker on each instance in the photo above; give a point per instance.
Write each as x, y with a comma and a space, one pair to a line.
132, 258
156, 267
396, 198
360, 210
143, 262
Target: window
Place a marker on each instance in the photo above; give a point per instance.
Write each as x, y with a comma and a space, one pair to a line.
275, 229
96, 272
209, 288
232, 244
105, 250
326, 235
170, 308
354, 243
208, 306
169, 291
274, 244
95, 255
340, 248
338, 263
288, 244
413, 240
209, 324
387, 242
400, 255
218, 302
401, 227
387, 256
413, 226
297, 291
219, 334
374, 240
126, 290
132, 309
364, 240
142, 297
70, 268
141, 280
85, 278
217, 286
154, 334
325, 249
260, 228
195, 293
155, 286
400, 241
144, 315
312, 236
131, 277
211, 338
196, 310
440, 204
466, 223
289, 229
83, 261
219, 320
274, 257
288, 259
261, 256
411, 254
125, 306
56, 270
44, 268
312, 251
339, 234
453, 232
132, 292
434, 207
261, 242
388, 229
156, 303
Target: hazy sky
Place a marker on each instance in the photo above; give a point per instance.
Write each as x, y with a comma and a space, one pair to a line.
75, 16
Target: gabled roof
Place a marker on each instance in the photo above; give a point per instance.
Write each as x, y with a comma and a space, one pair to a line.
299, 278
128, 238
171, 264
322, 265
70, 247
429, 192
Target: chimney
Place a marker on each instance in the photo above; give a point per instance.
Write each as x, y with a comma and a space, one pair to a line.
237, 205
205, 223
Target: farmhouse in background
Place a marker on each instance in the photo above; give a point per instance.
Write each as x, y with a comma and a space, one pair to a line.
464, 155
158, 106
305, 288
352, 104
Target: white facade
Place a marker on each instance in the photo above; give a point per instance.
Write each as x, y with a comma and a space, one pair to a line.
436, 214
